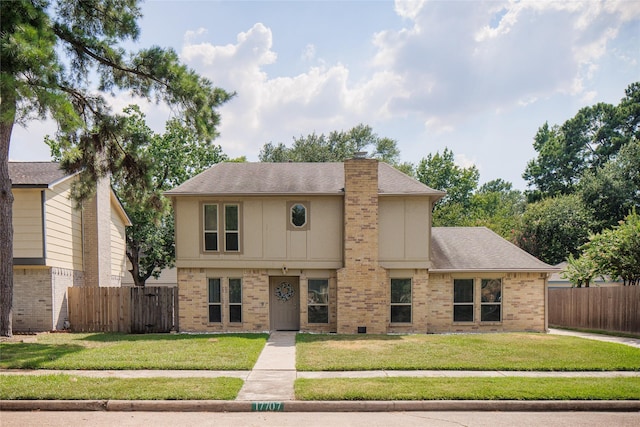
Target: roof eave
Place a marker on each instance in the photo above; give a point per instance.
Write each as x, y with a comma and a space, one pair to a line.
493, 270
199, 194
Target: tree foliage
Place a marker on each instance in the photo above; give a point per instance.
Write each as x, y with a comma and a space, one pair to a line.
586, 142
150, 239
613, 190
51, 50
554, 228
616, 251
580, 271
440, 172
338, 146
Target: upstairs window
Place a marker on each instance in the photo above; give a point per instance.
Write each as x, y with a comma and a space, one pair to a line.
221, 227
298, 216
231, 228
210, 227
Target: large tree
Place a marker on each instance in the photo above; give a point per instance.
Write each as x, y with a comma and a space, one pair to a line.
440, 172
613, 190
335, 147
583, 143
50, 50
554, 228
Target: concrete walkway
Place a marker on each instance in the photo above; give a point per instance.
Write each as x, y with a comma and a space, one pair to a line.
274, 373
633, 342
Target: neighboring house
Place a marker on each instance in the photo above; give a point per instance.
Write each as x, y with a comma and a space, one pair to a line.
56, 246
168, 277
341, 247
557, 281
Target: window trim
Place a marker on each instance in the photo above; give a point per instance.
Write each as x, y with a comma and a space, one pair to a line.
318, 305
487, 304
307, 207
237, 232
210, 304
235, 304
466, 303
205, 231
477, 300
221, 224
400, 304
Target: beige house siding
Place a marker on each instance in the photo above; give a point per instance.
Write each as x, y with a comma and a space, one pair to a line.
404, 232
265, 240
118, 247
63, 229
523, 303
28, 223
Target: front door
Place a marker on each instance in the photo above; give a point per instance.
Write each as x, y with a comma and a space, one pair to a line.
284, 303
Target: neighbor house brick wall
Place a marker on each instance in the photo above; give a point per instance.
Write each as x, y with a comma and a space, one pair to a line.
32, 305
40, 297
523, 303
363, 293
96, 217
61, 279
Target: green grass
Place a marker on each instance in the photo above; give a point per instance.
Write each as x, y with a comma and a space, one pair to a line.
121, 351
503, 388
504, 351
68, 387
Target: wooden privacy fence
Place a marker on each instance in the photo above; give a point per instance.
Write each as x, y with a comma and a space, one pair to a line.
608, 309
130, 310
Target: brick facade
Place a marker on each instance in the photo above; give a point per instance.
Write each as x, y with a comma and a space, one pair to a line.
39, 297
523, 303
363, 293
96, 218
360, 291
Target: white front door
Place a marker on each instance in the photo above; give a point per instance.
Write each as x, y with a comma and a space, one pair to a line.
284, 303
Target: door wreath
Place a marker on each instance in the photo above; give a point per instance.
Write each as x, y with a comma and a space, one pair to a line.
284, 291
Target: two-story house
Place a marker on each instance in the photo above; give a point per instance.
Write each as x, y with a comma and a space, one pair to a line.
56, 246
341, 247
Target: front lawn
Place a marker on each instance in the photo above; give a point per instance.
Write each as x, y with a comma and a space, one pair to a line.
122, 351
502, 388
500, 351
69, 387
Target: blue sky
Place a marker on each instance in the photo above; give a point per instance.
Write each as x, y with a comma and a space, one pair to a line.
476, 77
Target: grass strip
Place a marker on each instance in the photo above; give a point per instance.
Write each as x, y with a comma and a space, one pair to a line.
500, 351
68, 387
122, 351
466, 388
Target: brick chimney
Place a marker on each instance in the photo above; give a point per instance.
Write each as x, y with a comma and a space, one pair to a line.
362, 291
96, 218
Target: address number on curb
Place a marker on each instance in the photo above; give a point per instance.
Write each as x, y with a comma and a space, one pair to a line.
267, 407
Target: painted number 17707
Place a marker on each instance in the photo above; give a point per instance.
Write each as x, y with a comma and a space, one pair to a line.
267, 406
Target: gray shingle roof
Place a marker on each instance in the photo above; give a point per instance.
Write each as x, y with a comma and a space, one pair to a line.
35, 174
291, 178
479, 249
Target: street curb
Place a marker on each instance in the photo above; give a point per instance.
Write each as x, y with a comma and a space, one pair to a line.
319, 406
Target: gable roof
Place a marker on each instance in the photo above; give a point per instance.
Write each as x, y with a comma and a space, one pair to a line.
478, 249
245, 179
36, 174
